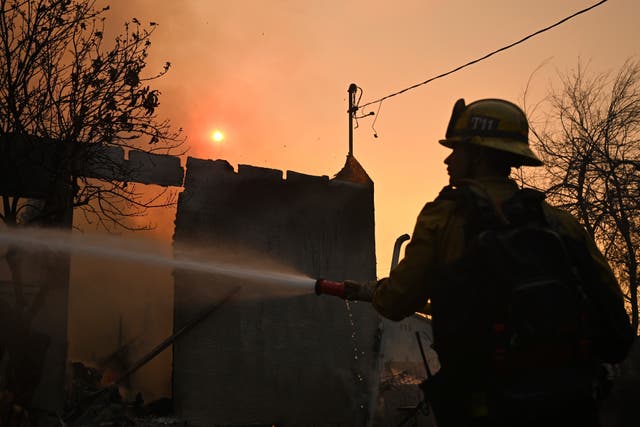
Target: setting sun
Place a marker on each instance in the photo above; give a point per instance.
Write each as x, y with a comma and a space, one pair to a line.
217, 136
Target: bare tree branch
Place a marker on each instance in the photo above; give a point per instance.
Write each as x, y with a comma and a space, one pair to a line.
62, 82
589, 139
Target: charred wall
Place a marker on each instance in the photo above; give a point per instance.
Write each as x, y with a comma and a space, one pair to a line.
274, 358
40, 169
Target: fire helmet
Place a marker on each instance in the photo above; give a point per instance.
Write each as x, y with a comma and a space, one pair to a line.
491, 123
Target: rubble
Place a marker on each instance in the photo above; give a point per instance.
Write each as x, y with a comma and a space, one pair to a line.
89, 404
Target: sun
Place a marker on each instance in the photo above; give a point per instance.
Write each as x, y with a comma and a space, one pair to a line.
217, 136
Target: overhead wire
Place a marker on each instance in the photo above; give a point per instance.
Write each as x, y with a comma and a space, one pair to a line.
580, 12
375, 119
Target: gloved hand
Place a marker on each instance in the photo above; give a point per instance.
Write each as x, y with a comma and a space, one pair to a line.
357, 291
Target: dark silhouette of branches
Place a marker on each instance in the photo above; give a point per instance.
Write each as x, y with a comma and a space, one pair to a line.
589, 139
72, 105
63, 83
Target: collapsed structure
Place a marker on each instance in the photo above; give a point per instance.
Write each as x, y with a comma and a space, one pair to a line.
297, 360
266, 358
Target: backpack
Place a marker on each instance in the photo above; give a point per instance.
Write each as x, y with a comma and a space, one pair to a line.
515, 312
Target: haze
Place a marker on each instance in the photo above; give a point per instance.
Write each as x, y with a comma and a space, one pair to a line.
273, 77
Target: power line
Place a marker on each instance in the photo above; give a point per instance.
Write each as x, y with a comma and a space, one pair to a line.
484, 57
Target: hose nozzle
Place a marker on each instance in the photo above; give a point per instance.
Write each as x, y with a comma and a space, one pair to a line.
329, 287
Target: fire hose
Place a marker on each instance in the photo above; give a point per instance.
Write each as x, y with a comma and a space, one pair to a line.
355, 291
348, 290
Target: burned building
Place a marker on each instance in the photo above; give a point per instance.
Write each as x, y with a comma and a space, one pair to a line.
276, 359
296, 360
269, 355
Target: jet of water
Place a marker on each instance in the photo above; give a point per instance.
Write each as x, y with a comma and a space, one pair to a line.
104, 246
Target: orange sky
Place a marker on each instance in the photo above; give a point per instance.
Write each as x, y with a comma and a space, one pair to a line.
274, 76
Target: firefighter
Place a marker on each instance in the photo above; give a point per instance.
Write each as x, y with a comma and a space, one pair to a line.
488, 138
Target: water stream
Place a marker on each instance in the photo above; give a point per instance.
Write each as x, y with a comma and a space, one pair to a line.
134, 251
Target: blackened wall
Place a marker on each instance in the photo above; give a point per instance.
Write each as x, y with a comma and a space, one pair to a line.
279, 359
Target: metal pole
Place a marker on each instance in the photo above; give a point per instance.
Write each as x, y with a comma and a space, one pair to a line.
87, 401
396, 249
170, 340
424, 357
352, 111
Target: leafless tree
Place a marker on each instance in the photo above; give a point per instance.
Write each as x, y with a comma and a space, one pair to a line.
61, 82
587, 132
69, 99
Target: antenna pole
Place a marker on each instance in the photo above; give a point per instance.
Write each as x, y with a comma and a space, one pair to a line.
352, 112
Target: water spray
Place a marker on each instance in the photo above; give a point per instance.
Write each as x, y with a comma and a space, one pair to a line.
108, 247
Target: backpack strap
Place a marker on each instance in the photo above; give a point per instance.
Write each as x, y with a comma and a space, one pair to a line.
448, 192
524, 207
480, 211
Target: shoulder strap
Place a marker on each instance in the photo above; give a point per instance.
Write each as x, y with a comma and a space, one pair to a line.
478, 209
525, 207
448, 192
482, 213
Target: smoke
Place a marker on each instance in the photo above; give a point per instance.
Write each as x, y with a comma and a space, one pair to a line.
229, 62
121, 292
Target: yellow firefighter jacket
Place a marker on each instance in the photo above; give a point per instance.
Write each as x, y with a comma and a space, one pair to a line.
438, 239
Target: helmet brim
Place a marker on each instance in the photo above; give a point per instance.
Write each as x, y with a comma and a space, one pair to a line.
525, 155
